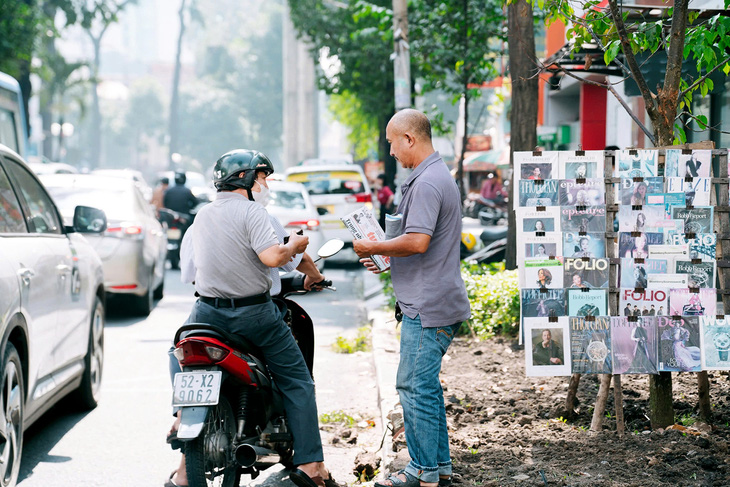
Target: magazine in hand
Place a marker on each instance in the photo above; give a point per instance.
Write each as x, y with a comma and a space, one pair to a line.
364, 226
586, 166
701, 274
703, 246
531, 220
542, 273
651, 302
687, 302
695, 164
580, 273
590, 345
634, 345
696, 220
542, 303
591, 192
591, 219
637, 192
715, 342
547, 348
587, 302
591, 245
696, 191
647, 219
538, 193
679, 344
637, 163
635, 274
636, 246
544, 165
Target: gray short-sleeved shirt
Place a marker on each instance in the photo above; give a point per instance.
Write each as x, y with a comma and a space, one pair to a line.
228, 235
430, 284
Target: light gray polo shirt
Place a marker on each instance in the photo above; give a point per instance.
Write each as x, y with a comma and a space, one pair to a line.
430, 284
228, 234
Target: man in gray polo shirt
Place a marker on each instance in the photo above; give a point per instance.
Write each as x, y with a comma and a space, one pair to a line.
425, 269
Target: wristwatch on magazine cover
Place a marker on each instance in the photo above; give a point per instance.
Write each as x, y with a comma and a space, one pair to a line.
722, 343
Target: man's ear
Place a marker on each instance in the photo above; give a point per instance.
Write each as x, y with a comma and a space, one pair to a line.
409, 139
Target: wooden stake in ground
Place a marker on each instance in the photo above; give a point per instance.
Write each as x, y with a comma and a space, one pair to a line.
570, 399
618, 399
597, 422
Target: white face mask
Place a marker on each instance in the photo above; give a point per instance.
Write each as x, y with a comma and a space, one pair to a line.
262, 197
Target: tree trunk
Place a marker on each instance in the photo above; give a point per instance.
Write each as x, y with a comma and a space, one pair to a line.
390, 165
26, 89
661, 408
174, 99
49, 11
703, 384
570, 398
600, 408
95, 156
618, 401
460, 164
521, 37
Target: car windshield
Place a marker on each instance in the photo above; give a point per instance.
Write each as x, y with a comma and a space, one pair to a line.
293, 200
330, 182
118, 205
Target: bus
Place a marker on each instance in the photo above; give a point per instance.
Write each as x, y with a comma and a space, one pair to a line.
13, 131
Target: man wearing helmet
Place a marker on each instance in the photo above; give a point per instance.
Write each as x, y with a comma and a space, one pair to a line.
179, 198
235, 248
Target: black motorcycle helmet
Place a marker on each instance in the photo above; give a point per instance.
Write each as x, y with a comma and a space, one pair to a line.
238, 168
180, 178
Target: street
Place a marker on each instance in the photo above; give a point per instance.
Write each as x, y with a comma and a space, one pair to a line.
122, 441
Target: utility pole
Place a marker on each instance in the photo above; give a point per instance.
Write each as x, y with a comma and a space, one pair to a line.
401, 58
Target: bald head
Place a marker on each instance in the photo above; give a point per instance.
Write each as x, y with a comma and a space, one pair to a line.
409, 135
410, 120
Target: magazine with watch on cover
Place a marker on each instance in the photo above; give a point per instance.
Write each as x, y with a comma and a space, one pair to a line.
547, 351
584, 220
590, 192
585, 166
715, 342
637, 245
542, 303
634, 345
689, 302
587, 302
581, 273
590, 345
696, 220
701, 274
679, 344
695, 164
637, 192
696, 192
651, 302
540, 165
635, 274
637, 163
538, 193
589, 245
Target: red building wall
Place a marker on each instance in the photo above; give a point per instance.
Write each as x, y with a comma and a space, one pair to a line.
592, 117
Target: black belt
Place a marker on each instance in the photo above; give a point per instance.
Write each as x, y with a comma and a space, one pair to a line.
236, 302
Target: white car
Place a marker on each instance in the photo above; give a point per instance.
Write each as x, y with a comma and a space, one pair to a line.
132, 174
336, 190
292, 206
51, 307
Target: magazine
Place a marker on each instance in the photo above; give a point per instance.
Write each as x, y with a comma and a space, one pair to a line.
703, 246
635, 274
586, 166
701, 274
696, 220
591, 219
541, 193
695, 164
679, 344
587, 302
651, 302
668, 200
540, 246
363, 225
637, 163
540, 303
670, 253
530, 220
547, 352
667, 281
541, 166
634, 345
591, 273
646, 219
715, 342
592, 192
539, 273
636, 246
590, 345
685, 302
697, 191
638, 192
588, 245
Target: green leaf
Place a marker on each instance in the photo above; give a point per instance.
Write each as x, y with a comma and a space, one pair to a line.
726, 68
702, 121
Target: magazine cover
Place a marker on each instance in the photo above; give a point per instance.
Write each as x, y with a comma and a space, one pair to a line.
701, 274
543, 193
703, 246
540, 303
635, 274
642, 163
548, 347
637, 247
667, 281
652, 302
647, 219
715, 342
679, 344
697, 191
668, 200
638, 192
539, 273
587, 302
696, 220
540, 246
588, 245
542, 166
590, 193
696, 164
590, 345
634, 345
685, 302
573, 166
579, 273
591, 219
670, 253
530, 220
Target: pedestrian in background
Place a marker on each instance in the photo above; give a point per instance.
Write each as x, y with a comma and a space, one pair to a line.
158, 195
429, 291
385, 198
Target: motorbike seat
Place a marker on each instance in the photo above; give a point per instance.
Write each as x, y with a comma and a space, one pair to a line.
211, 331
490, 234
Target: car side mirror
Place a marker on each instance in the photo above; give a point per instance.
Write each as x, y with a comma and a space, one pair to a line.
322, 211
89, 220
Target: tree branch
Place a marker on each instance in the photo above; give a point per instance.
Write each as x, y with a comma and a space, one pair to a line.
675, 54
702, 78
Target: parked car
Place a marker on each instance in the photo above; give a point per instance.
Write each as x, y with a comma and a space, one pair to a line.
336, 190
134, 246
132, 174
51, 307
291, 204
52, 168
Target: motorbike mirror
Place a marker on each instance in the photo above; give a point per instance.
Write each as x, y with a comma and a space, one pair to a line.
330, 248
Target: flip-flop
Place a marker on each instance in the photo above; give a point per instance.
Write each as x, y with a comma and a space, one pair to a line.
172, 440
395, 481
170, 483
331, 482
445, 482
301, 479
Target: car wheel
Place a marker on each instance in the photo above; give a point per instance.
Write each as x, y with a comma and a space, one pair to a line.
88, 391
145, 303
11, 423
160, 290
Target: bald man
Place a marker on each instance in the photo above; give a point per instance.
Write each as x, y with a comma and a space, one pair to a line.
424, 260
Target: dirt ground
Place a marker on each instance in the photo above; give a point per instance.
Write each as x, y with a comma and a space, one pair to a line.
504, 430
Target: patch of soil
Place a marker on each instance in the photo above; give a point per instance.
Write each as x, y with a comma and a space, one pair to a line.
505, 428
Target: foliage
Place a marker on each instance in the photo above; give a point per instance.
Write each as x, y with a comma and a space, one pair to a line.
337, 417
388, 291
360, 343
18, 20
363, 136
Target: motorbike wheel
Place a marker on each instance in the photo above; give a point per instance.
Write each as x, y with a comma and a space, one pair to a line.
209, 459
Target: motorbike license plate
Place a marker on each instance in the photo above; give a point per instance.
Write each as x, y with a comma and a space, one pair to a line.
200, 388
173, 233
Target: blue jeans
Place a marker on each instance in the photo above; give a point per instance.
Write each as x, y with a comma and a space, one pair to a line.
422, 398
